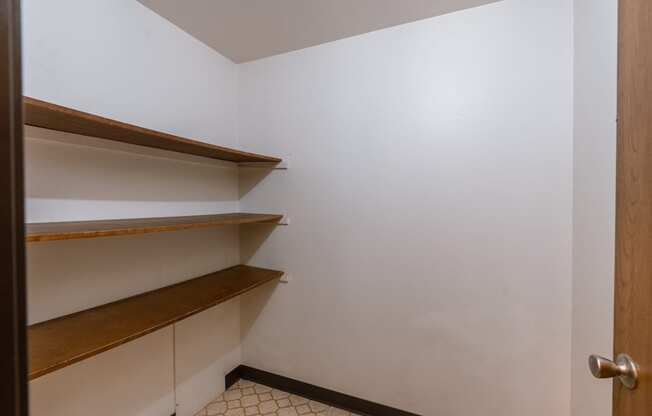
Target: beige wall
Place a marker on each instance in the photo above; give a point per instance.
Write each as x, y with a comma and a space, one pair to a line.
430, 197
594, 199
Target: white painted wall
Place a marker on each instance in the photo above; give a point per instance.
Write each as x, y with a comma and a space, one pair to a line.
429, 190
133, 379
118, 59
430, 193
207, 347
594, 198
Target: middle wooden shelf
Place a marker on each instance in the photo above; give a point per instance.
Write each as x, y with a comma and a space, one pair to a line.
72, 338
49, 231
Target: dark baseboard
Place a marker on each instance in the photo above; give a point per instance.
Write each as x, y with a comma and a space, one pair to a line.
312, 392
232, 377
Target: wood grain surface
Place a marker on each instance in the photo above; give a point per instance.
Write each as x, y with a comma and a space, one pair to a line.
633, 288
69, 339
49, 231
55, 117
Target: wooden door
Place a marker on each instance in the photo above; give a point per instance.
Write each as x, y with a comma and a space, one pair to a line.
633, 296
13, 368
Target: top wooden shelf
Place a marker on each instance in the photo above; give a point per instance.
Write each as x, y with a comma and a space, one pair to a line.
55, 117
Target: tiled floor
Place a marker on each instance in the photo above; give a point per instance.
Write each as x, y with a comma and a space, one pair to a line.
245, 398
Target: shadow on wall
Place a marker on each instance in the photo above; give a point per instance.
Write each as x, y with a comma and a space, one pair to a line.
68, 166
207, 346
73, 275
252, 305
207, 337
250, 177
253, 237
253, 302
140, 373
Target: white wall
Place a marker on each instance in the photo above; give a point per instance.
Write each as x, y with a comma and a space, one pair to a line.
594, 198
207, 347
121, 60
118, 59
429, 190
430, 193
133, 379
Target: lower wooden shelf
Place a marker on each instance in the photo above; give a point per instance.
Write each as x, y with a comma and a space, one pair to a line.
50, 231
63, 341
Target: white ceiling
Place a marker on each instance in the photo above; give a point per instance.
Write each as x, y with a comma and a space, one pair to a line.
244, 30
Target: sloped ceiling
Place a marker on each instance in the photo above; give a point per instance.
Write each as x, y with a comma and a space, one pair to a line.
245, 30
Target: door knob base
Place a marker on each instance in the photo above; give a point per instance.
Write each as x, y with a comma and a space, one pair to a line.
630, 377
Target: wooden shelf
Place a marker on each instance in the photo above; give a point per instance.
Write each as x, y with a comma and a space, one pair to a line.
55, 117
60, 342
49, 231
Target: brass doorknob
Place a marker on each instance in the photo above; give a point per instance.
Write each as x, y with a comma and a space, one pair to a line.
624, 368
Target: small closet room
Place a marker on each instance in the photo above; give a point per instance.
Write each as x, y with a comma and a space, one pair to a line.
326, 207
